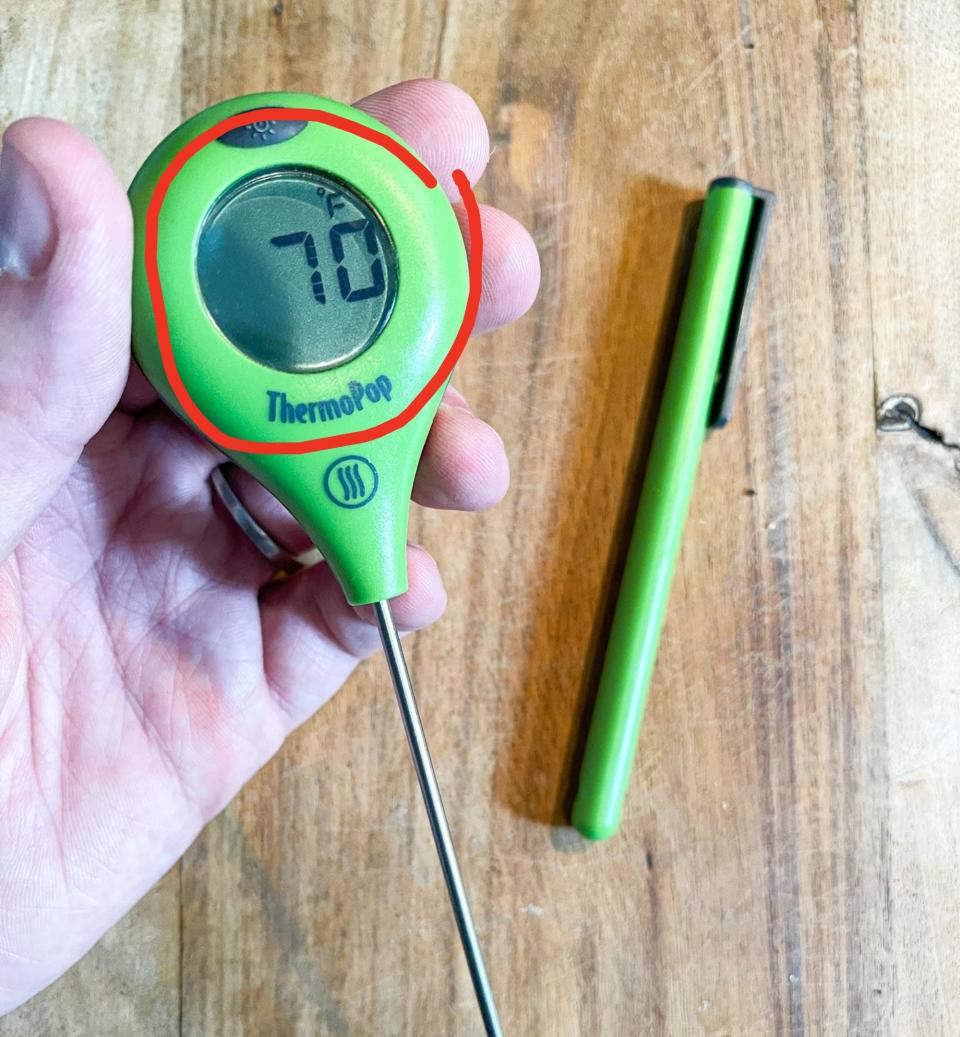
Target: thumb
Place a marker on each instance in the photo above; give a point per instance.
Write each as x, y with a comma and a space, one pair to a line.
65, 270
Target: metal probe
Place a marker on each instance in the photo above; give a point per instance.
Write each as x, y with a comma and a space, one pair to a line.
427, 778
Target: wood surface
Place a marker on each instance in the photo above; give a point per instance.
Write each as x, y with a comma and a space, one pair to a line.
788, 862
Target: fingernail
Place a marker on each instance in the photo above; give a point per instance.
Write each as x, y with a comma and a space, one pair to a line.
26, 219
455, 399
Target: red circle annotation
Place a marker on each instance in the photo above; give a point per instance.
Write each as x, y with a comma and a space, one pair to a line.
474, 263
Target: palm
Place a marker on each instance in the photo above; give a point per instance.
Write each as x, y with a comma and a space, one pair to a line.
152, 697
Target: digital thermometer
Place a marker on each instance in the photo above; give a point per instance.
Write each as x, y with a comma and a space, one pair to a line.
300, 293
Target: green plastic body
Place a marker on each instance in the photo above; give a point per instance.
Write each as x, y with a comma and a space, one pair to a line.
364, 543
664, 502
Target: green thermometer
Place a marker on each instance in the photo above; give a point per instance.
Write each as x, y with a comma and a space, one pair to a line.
300, 292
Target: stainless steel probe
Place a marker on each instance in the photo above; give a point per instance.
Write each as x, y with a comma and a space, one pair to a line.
427, 778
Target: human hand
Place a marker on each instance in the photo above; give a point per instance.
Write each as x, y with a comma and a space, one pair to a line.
145, 673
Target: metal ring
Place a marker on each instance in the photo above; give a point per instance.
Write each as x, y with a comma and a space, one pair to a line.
278, 556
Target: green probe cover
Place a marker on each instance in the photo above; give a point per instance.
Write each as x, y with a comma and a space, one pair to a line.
715, 272
352, 501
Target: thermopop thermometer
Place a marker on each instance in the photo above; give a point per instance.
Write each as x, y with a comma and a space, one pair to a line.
301, 292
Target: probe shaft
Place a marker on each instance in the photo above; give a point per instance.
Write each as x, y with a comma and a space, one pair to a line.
427, 778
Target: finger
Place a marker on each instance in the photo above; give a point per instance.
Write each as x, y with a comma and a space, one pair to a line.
464, 465
440, 122
510, 276
309, 629
65, 263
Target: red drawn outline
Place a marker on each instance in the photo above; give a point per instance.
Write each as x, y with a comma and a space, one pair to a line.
475, 260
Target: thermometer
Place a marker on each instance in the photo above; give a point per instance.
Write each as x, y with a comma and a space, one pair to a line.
300, 294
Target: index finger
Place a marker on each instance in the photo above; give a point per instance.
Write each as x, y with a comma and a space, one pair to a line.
440, 122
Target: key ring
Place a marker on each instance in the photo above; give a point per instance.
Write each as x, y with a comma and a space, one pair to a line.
283, 561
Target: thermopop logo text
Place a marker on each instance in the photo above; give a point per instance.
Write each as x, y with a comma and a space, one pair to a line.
309, 412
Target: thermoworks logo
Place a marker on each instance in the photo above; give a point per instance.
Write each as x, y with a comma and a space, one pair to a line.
351, 481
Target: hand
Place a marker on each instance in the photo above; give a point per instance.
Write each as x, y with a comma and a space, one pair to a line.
145, 674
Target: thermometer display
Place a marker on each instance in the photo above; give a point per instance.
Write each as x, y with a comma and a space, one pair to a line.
297, 270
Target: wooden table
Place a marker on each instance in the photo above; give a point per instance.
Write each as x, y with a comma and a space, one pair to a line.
789, 859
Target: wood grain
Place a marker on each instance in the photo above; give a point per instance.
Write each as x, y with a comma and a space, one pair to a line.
787, 864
